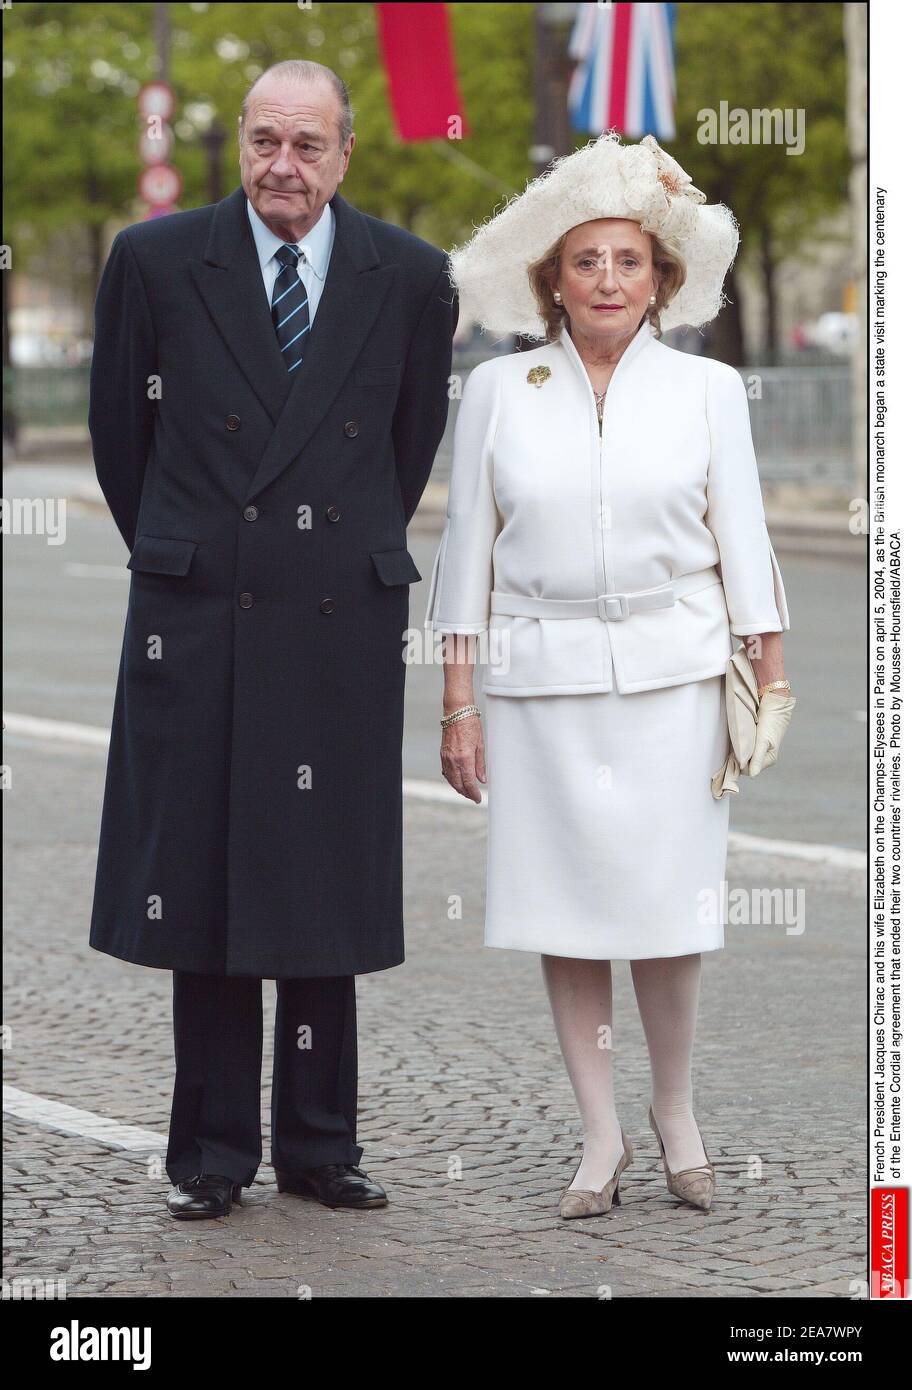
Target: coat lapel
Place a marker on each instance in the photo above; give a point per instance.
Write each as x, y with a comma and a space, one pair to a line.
356, 286
231, 284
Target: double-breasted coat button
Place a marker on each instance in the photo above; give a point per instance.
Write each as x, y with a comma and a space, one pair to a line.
251, 513
233, 422
327, 605
246, 600
333, 514
351, 428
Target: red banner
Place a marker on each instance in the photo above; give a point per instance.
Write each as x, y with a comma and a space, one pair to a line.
620, 68
418, 56
889, 1242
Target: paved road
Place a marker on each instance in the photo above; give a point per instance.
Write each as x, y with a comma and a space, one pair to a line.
466, 1114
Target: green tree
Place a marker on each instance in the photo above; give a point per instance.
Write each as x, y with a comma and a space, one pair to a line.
73, 72
764, 56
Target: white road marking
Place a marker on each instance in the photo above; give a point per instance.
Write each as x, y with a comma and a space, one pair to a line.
53, 1114
799, 849
56, 730
430, 791
79, 571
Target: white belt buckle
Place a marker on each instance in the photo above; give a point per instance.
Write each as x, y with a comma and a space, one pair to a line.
620, 610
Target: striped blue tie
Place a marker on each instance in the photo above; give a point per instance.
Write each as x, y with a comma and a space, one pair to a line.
290, 310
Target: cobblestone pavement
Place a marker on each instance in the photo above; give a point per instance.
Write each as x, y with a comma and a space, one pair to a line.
466, 1113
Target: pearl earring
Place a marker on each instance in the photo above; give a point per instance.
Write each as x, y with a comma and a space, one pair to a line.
557, 298
652, 299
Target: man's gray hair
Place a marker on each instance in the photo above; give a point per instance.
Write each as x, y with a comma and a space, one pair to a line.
299, 70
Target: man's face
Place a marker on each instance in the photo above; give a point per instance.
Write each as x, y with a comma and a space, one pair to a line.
291, 163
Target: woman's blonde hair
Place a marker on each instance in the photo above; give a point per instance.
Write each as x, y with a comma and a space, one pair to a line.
543, 273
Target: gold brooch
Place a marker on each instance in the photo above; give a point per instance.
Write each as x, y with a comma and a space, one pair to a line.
538, 375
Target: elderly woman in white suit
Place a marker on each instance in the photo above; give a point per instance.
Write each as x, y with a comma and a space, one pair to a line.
605, 549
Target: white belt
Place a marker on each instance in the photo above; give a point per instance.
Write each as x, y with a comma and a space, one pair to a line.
609, 607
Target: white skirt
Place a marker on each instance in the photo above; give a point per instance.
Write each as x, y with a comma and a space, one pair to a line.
604, 839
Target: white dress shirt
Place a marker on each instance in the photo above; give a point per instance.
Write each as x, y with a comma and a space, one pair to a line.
312, 266
543, 507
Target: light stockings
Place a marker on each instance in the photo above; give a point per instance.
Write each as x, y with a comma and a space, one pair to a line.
579, 992
668, 992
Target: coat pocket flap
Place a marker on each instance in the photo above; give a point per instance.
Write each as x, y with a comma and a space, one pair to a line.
161, 555
395, 566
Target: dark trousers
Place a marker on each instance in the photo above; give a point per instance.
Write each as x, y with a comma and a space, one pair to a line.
218, 1053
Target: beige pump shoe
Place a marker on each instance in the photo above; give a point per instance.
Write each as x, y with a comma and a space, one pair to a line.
584, 1203
693, 1185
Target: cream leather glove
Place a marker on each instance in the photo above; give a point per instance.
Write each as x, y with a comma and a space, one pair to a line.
773, 718
755, 727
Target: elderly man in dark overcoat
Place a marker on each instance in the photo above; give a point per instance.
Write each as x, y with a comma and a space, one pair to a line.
268, 391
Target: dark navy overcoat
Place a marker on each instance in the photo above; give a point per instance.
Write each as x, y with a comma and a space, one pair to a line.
252, 819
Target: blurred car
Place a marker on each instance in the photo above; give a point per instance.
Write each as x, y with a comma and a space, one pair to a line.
833, 332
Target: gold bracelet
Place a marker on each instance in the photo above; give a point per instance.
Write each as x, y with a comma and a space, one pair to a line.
774, 685
465, 712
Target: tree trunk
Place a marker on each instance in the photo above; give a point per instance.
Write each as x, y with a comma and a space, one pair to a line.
95, 242
96, 254
768, 272
10, 422
725, 337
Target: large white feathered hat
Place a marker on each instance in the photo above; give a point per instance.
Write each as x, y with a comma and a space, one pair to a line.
603, 179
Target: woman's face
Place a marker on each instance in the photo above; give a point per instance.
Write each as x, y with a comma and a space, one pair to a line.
606, 277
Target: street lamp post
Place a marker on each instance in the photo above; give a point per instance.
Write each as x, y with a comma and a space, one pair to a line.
213, 141
162, 22
551, 77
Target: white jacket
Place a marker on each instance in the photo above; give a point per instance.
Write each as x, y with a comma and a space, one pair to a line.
543, 513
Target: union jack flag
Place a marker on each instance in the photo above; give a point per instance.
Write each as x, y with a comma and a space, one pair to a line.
624, 78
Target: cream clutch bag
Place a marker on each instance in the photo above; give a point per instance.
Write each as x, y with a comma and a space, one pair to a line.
742, 705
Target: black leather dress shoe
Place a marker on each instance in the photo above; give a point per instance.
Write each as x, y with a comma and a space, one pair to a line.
208, 1194
335, 1185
